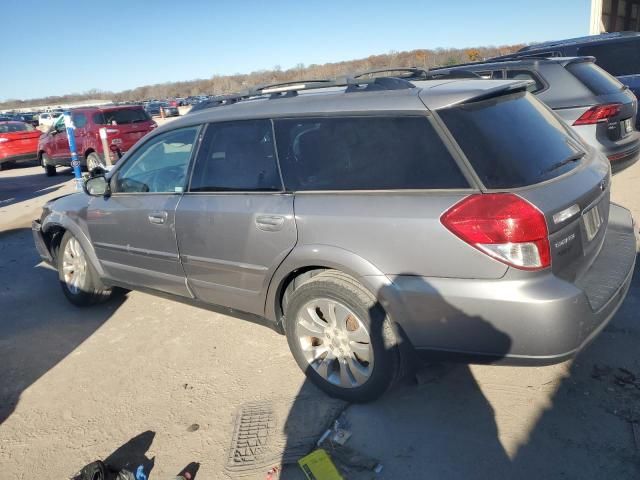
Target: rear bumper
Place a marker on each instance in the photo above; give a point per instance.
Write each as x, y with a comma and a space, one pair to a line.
624, 159
22, 157
540, 320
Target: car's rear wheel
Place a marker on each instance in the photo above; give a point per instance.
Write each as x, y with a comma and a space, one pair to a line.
50, 170
94, 161
79, 280
341, 337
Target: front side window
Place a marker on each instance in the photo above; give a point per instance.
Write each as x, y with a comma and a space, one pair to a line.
236, 156
364, 153
79, 120
159, 166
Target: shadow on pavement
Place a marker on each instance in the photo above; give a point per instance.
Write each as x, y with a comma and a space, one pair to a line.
19, 188
446, 428
447, 432
38, 326
133, 453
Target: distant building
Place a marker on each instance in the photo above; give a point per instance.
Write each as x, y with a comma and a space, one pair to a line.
614, 16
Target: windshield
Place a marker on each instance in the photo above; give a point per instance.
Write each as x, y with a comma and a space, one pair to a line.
513, 141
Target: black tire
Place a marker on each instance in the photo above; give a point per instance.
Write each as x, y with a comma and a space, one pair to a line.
337, 286
91, 290
50, 170
93, 161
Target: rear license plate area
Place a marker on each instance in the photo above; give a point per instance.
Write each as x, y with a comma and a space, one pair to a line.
592, 220
626, 126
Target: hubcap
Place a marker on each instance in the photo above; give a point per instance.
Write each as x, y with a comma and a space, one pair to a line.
335, 342
74, 266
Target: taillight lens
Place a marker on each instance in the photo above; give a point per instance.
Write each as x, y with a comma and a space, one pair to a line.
599, 113
504, 226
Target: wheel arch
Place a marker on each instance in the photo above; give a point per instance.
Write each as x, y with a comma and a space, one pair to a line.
54, 227
308, 260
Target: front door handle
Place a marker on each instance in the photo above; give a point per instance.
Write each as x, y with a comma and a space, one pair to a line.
158, 218
270, 223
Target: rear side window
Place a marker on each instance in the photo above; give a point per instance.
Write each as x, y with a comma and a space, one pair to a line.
79, 120
595, 78
537, 84
617, 58
236, 156
512, 141
364, 153
121, 117
15, 127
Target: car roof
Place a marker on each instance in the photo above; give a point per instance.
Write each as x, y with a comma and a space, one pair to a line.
604, 37
432, 93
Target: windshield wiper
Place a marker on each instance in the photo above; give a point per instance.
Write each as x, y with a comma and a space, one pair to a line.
571, 158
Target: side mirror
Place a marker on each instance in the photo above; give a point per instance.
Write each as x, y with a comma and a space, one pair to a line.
97, 186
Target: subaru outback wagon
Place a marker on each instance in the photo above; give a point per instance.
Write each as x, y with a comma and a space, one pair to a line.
368, 221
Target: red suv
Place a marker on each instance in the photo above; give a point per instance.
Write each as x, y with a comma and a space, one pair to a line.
125, 126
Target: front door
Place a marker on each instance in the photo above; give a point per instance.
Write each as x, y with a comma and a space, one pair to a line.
133, 230
235, 225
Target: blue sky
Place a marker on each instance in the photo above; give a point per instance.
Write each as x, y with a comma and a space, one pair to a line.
67, 46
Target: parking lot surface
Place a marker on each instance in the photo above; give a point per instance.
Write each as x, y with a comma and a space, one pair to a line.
78, 384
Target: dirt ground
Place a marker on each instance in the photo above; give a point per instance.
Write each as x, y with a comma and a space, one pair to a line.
154, 382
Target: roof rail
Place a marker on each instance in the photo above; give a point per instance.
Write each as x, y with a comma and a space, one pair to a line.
411, 72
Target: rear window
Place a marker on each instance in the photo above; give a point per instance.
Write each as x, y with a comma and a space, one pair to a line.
512, 141
595, 78
121, 117
617, 58
364, 153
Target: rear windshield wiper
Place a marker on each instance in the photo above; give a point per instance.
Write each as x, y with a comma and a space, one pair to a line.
571, 158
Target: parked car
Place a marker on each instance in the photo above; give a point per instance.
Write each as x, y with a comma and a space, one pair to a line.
125, 126
618, 53
364, 221
18, 142
594, 103
153, 108
47, 119
170, 110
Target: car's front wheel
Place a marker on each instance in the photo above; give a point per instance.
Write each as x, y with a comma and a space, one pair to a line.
94, 161
79, 280
50, 170
341, 337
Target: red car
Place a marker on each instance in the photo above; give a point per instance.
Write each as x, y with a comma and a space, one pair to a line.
125, 126
18, 142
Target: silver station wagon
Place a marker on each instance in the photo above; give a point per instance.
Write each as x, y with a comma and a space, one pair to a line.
369, 221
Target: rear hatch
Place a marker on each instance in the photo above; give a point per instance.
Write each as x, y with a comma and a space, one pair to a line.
17, 138
516, 144
125, 126
616, 104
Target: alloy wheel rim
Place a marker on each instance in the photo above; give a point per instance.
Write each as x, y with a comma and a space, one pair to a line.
92, 163
74, 266
335, 342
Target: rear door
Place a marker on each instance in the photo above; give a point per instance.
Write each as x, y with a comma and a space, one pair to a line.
235, 225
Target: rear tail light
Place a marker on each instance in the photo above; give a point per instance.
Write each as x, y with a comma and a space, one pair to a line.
599, 113
504, 226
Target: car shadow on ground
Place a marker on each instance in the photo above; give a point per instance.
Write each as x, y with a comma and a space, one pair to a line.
32, 342
445, 427
19, 188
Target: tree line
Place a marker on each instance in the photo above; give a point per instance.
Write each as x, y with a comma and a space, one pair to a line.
224, 84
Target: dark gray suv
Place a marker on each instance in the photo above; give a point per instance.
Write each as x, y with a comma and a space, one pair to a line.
367, 220
597, 106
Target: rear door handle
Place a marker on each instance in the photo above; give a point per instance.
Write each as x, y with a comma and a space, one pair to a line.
158, 218
270, 223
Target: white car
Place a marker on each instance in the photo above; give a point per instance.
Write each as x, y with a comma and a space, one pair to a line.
49, 118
